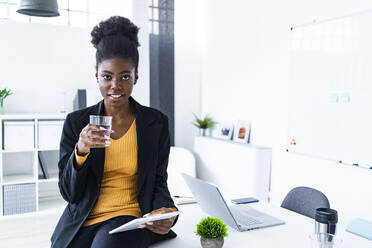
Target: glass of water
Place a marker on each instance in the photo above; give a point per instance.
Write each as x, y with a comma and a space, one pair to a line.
324, 240
102, 121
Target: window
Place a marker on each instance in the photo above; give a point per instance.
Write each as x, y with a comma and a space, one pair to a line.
161, 16
77, 13
153, 17
12, 14
3, 10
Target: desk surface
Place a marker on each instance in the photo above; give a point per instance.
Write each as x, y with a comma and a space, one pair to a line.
295, 233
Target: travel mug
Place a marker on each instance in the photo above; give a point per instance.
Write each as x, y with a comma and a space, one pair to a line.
326, 220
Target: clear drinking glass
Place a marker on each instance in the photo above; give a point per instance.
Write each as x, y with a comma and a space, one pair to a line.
324, 240
102, 121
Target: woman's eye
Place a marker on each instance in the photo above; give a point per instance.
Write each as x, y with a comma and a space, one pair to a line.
126, 77
106, 77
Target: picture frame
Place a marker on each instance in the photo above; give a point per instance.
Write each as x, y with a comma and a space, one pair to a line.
242, 131
224, 130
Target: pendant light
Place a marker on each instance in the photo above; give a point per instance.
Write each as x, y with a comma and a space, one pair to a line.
43, 8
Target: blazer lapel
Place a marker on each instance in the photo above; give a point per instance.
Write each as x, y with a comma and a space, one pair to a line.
142, 145
97, 154
145, 132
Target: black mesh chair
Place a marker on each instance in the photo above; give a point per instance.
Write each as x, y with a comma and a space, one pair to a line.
305, 201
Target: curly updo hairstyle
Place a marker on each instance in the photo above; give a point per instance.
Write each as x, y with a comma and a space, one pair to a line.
116, 37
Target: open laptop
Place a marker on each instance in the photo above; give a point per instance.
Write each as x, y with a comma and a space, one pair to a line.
211, 201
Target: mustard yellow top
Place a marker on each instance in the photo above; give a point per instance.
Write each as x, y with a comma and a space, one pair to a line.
118, 194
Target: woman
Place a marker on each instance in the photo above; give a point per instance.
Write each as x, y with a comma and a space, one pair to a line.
107, 186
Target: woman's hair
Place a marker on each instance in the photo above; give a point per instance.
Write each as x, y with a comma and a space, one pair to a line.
116, 37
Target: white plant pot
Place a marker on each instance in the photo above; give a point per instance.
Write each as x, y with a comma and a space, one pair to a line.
204, 132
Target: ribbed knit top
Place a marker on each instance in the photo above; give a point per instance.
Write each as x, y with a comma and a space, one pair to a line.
118, 194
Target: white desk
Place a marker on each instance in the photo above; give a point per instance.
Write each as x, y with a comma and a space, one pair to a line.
34, 230
295, 233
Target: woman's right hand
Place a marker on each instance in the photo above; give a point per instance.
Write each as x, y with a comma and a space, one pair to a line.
92, 136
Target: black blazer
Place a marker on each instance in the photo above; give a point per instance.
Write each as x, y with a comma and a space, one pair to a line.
80, 188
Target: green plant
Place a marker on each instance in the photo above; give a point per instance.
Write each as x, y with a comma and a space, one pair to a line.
205, 123
3, 94
211, 228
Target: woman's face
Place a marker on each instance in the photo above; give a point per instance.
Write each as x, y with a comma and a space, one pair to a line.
116, 78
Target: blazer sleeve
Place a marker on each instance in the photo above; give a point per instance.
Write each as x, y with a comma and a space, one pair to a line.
72, 181
162, 196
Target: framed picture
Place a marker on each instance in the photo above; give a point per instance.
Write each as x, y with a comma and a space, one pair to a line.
242, 131
224, 130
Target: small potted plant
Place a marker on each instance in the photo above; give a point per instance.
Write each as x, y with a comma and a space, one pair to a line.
212, 232
203, 124
3, 94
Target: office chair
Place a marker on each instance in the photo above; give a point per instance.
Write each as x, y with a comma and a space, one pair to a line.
305, 201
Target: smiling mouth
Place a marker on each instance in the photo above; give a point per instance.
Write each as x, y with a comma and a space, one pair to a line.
115, 97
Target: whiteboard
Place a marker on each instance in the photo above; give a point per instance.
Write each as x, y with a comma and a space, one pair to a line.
330, 89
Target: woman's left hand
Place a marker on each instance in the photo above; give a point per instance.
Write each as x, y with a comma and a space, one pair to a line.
159, 226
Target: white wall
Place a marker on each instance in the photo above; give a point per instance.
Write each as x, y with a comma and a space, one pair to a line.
141, 90
188, 68
245, 68
44, 64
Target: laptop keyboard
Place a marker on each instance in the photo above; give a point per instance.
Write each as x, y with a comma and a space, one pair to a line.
243, 218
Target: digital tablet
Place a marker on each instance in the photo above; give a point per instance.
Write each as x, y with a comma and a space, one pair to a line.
134, 224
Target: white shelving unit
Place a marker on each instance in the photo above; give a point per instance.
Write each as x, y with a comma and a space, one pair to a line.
241, 170
19, 164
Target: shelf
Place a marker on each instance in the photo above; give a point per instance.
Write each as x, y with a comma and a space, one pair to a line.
52, 203
19, 162
50, 180
51, 149
18, 179
249, 166
28, 116
234, 142
53, 178
14, 151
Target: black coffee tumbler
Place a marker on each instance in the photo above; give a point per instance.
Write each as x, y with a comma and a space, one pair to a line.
325, 222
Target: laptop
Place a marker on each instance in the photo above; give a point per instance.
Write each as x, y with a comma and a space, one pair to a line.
241, 218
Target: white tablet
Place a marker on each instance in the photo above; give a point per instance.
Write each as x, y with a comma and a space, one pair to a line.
134, 224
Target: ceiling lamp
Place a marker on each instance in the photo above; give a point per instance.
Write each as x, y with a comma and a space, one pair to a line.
43, 8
